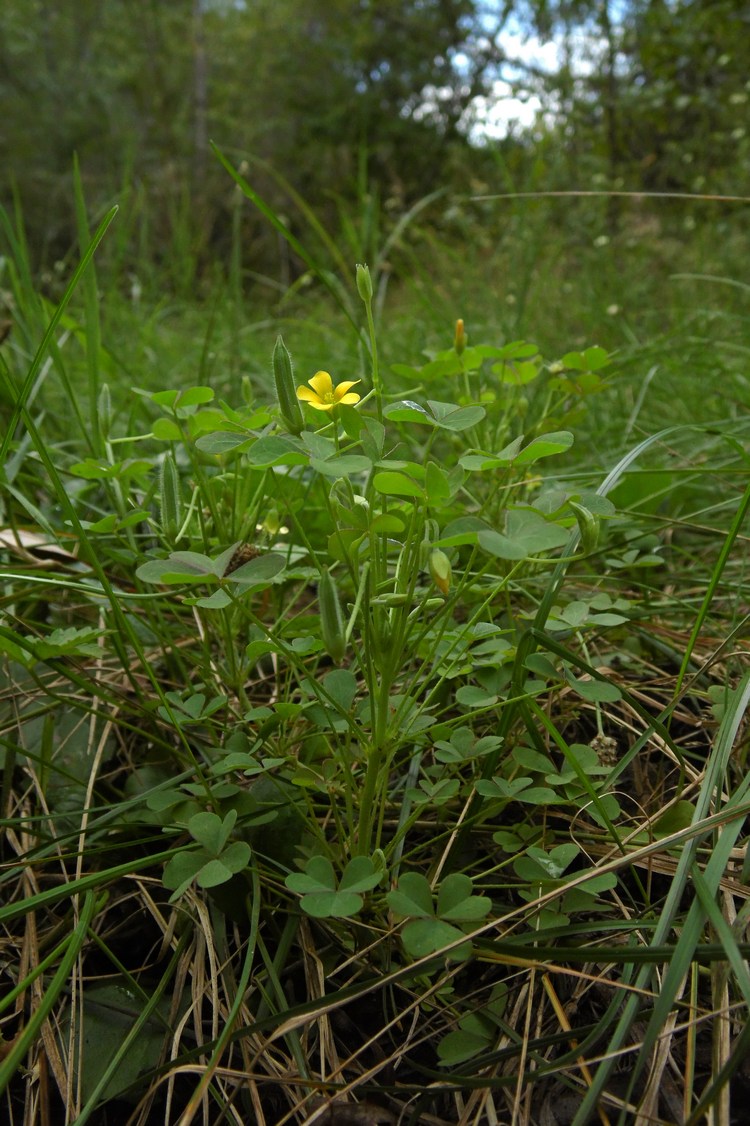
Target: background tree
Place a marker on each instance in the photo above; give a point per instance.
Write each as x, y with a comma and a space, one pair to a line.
345, 101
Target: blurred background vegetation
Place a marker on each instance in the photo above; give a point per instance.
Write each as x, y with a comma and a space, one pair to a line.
356, 110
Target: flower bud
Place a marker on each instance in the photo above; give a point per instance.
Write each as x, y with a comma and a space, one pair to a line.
271, 524
364, 283
461, 338
440, 569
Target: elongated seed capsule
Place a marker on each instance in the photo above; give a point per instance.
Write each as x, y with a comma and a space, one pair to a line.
170, 498
286, 391
331, 618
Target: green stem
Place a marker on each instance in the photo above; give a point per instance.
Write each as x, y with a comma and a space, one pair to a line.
377, 385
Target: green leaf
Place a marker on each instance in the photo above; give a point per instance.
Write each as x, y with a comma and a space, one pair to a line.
211, 831
164, 398
545, 446
595, 691
321, 898
167, 573
456, 901
407, 411
93, 470
345, 466
557, 860
181, 870
109, 1012
478, 461
224, 442
273, 449
396, 484
259, 571
591, 360
387, 524
318, 876
192, 396
495, 543
360, 874
539, 795
449, 416
471, 696
461, 1045
528, 534
436, 484
192, 561
677, 817
508, 788
517, 374
427, 936
220, 869
341, 685
332, 905
67, 642
461, 531
412, 897
218, 600
166, 430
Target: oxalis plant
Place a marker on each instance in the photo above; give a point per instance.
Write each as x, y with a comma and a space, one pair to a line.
372, 561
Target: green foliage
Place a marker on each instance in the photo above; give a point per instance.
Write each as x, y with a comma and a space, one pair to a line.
432, 922
414, 710
323, 897
214, 861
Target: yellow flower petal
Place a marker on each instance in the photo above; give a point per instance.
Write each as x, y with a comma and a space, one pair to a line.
322, 384
350, 399
342, 388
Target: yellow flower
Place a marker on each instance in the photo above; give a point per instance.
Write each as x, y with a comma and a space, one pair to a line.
324, 396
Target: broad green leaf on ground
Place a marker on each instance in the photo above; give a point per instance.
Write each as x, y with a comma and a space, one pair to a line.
528, 534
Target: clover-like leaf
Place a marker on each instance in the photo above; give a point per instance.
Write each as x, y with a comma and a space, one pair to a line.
557, 860
457, 902
211, 831
502, 787
412, 897
221, 869
318, 876
428, 936
360, 874
322, 898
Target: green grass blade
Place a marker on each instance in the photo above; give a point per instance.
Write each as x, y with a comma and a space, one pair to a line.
716, 574
91, 304
691, 931
50, 332
23, 1043
281, 227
